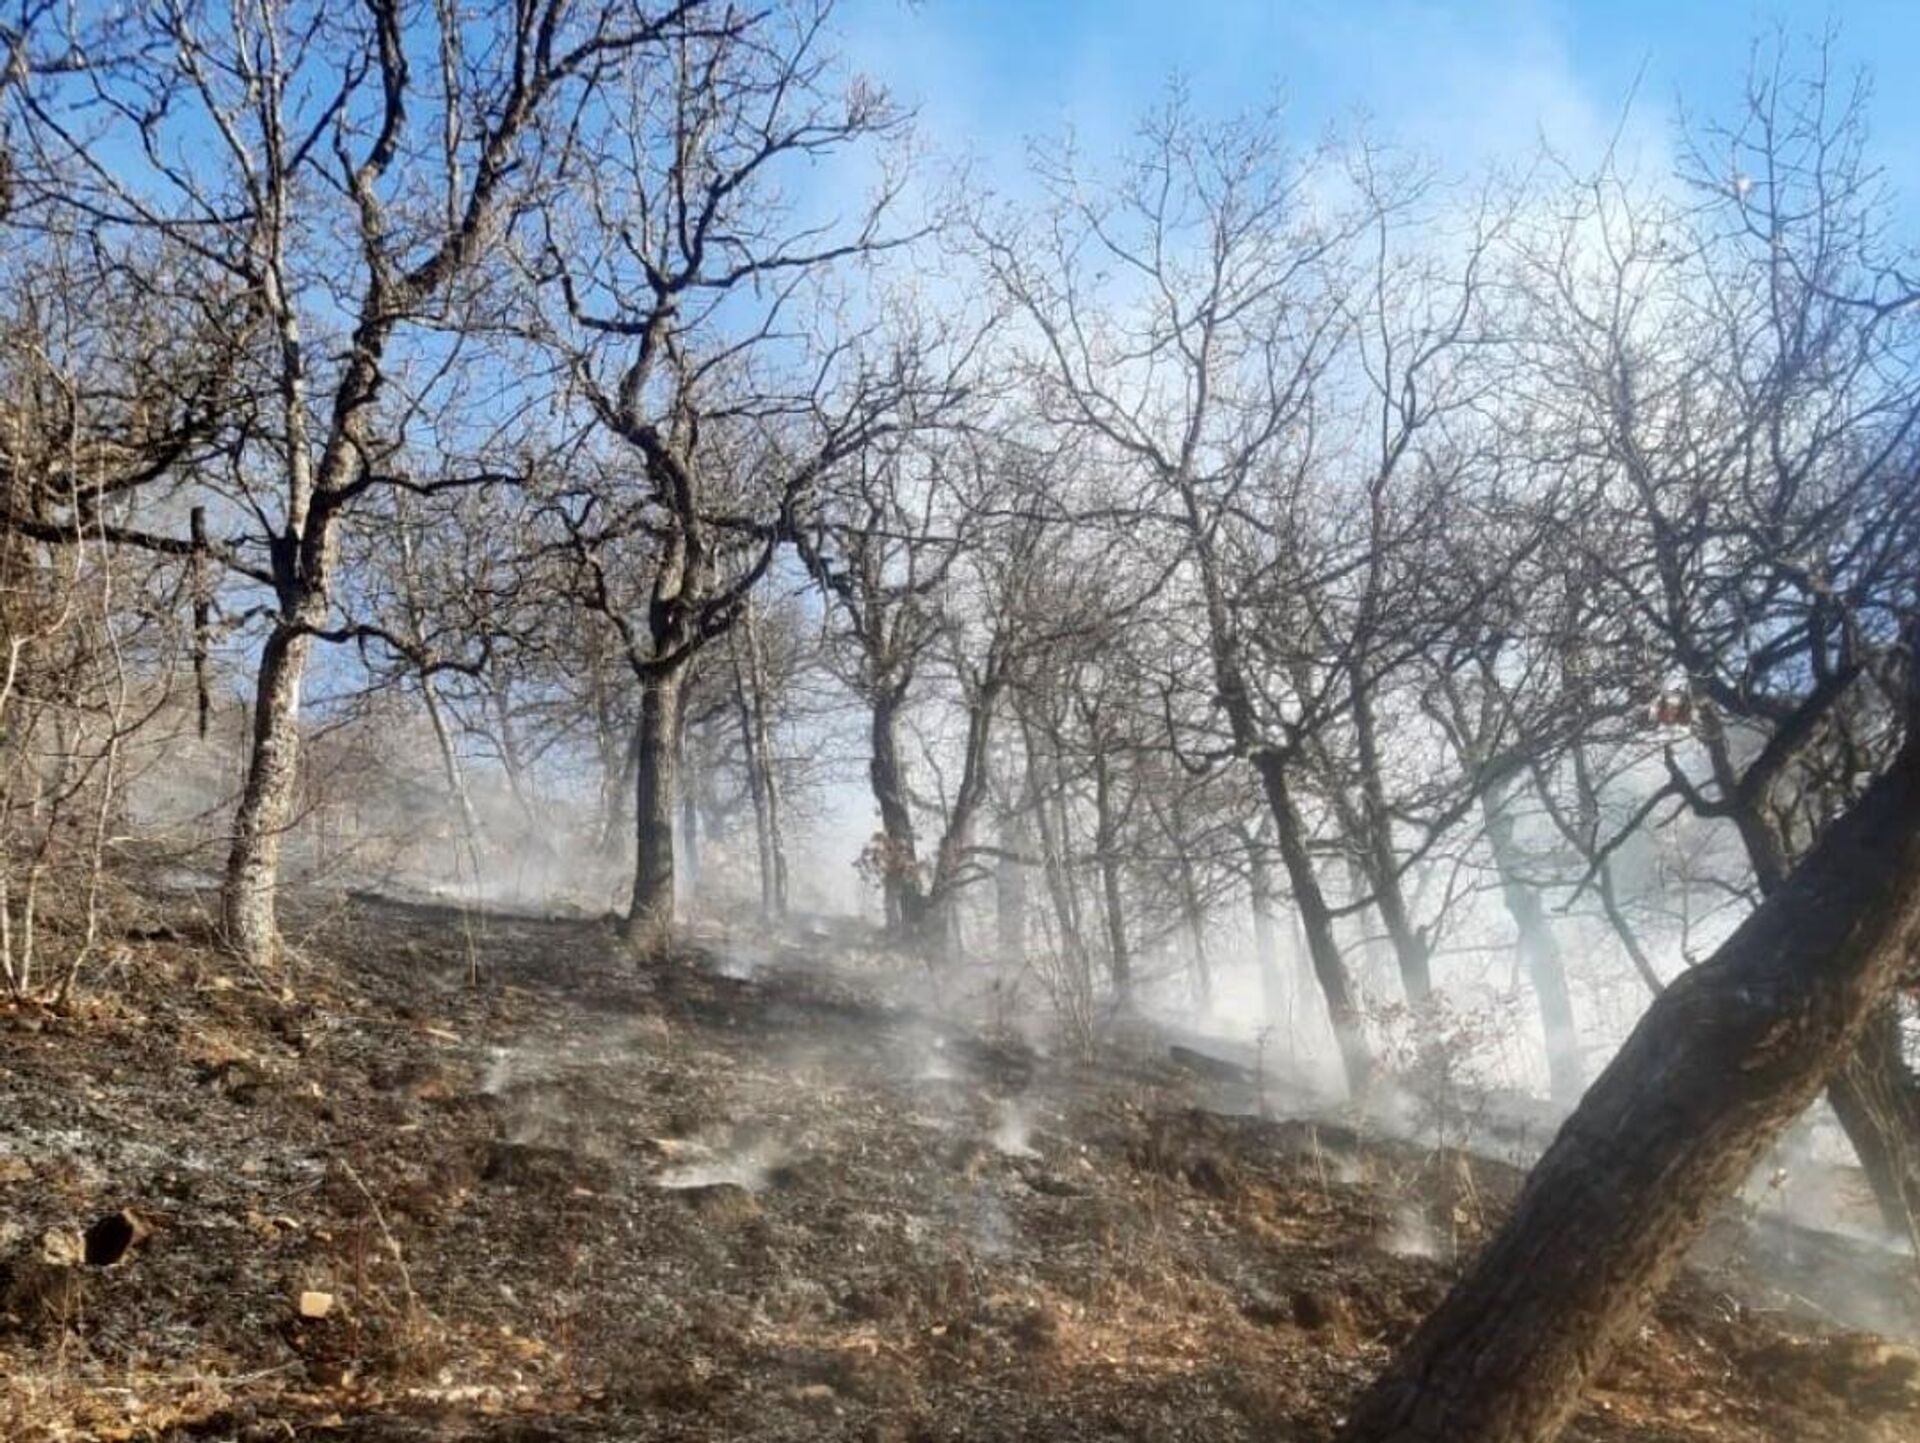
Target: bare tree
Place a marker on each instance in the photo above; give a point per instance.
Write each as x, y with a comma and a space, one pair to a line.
252, 139
1201, 396
696, 313
1733, 388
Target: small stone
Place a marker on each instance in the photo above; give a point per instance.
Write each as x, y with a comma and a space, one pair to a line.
314, 1304
62, 1247
15, 1169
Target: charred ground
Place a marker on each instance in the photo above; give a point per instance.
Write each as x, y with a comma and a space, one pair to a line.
536, 1190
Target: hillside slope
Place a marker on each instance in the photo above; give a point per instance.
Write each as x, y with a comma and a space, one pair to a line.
529, 1189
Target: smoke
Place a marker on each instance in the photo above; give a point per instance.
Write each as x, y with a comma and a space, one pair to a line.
1411, 1236
749, 1168
1012, 1131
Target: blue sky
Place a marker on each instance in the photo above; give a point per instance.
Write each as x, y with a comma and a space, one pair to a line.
1469, 81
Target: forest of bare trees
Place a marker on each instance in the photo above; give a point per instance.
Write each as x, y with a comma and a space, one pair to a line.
569, 449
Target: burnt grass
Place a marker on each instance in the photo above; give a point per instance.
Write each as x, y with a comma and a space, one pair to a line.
534, 1189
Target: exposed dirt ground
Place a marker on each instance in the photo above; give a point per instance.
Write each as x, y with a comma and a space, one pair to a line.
532, 1189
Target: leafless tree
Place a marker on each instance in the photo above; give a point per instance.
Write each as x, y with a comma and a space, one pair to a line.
696, 310
326, 166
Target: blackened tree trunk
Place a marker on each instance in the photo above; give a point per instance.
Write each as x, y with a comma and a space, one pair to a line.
1271, 765
650, 910
1721, 1064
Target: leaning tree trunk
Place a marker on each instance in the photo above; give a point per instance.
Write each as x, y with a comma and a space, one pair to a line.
650, 910
1727, 1057
266, 798
455, 773
1316, 919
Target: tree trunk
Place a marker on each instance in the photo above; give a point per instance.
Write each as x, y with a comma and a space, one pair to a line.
1872, 1095
688, 870
764, 777
450, 761
1587, 800
650, 911
1874, 1098
1193, 915
900, 874
1410, 948
1061, 891
755, 766
200, 589
941, 925
1329, 967
266, 798
1107, 845
507, 741
1717, 1069
1539, 951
